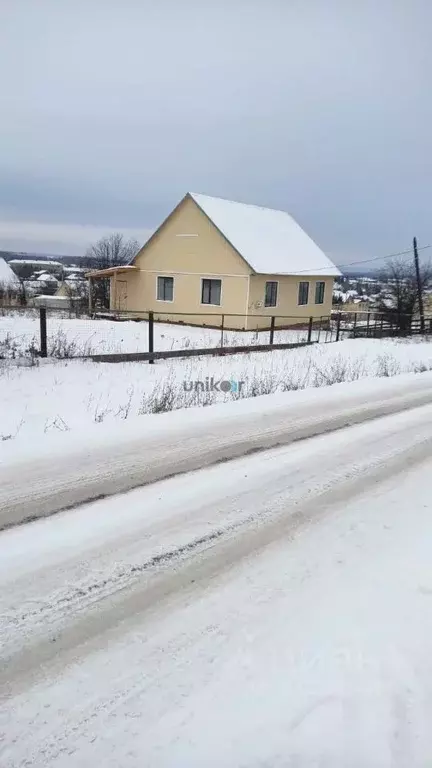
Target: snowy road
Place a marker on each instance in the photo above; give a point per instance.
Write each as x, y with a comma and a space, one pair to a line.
71, 469
271, 611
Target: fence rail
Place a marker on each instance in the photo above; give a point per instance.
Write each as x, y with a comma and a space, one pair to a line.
219, 336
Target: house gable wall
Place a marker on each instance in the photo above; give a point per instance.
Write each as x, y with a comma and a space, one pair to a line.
188, 247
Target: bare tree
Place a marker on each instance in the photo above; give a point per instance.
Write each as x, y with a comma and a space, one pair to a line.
77, 294
399, 302
111, 251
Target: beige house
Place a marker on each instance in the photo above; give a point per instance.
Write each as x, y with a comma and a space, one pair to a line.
213, 257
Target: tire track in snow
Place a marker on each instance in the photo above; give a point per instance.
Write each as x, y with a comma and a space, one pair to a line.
137, 602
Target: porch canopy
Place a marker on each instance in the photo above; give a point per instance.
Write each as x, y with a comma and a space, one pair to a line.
110, 272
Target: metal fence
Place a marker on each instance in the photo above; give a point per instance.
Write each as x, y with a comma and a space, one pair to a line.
152, 336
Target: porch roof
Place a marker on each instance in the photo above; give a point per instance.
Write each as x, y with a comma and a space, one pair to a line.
111, 271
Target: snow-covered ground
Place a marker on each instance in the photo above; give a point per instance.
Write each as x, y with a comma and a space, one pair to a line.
70, 337
272, 611
40, 478
68, 395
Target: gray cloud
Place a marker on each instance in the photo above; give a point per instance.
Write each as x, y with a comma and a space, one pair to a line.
112, 111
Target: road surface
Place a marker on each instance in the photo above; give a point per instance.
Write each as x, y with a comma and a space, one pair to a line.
41, 480
275, 610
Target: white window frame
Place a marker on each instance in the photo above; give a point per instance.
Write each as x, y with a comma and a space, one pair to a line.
303, 282
317, 283
165, 301
271, 306
212, 279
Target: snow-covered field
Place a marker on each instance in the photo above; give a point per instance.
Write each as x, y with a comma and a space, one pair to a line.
67, 395
69, 337
271, 611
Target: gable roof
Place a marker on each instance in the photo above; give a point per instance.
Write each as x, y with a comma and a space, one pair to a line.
270, 241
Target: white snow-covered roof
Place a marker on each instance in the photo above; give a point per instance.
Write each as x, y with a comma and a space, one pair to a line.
47, 277
7, 275
75, 270
270, 241
42, 263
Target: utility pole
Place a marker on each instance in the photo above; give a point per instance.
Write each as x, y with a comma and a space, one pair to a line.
419, 285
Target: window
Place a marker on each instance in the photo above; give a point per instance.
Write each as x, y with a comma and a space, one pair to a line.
270, 294
211, 291
319, 292
303, 294
165, 288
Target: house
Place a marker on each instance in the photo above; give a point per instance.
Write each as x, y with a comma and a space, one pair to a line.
213, 257
10, 286
8, 278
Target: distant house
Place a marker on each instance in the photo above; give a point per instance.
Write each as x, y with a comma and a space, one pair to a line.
10, 286
8, 278
213, 257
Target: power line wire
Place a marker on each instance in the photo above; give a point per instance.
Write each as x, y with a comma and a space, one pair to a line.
365, 261
389, 256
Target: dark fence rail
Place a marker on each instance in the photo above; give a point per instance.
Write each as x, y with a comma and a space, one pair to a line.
150, 357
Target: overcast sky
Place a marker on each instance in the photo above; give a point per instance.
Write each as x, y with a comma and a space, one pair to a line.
112, 109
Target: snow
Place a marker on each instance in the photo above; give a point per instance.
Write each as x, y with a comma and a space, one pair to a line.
270, 241
75, 270
7, 275
70, 394
73, 466
347, 296
105, 336
46, 277
299, 635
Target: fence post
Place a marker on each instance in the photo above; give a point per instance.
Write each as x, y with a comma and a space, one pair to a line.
90, 296
354, 325
309, 338
151, 337
320, 329
367, 325
338, 325
222, 331
272, 329
43, 332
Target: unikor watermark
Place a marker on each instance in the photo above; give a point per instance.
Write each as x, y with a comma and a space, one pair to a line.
212, 385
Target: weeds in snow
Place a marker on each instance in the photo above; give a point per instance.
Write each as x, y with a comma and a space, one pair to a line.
163, 387
57, 423
63, 347
100, 413
338, 370
386, 365
125, 408
12, 435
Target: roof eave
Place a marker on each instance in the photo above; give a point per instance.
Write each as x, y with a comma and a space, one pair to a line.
110, 271
317, 273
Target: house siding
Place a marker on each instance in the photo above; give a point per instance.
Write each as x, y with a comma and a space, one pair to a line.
287, 310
